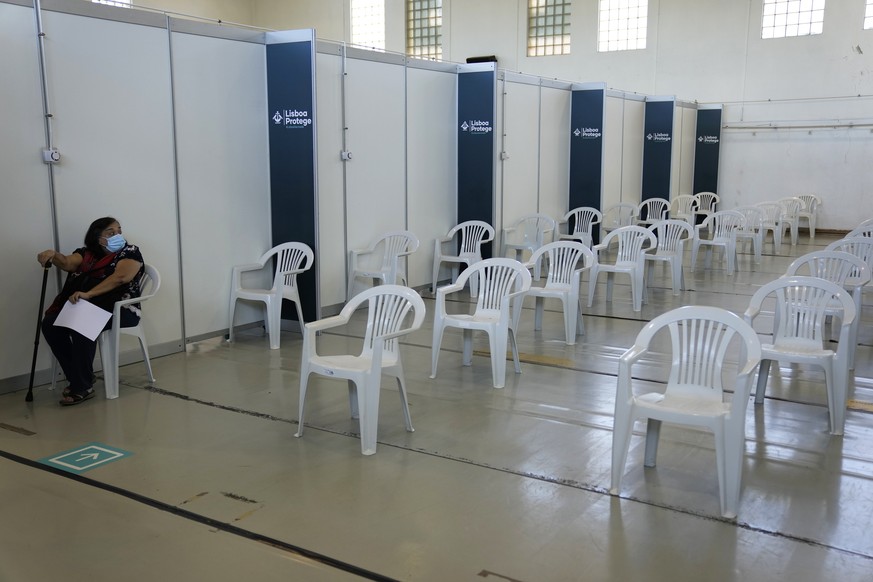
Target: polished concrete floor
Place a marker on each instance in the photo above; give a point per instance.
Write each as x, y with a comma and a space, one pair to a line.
506, 484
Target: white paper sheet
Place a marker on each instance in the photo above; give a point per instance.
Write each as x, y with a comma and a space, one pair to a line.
84, 317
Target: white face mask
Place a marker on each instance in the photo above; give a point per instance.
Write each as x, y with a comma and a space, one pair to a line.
115, 242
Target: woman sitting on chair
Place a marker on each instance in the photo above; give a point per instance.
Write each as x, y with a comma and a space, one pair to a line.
107, 269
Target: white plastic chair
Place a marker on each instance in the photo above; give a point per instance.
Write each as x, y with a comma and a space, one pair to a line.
846, 270
862, 248
652, 210
504, 282
388, 309
109, 340
864, 229
633, 243
700, 338
705, 204
528, 234
809, 211
467, 250
752, 229
722, 229
671, 235
801, 308
382, 260
772, 221
563, 281
292, 258
791, 216
682, 208
583, 219
617, 216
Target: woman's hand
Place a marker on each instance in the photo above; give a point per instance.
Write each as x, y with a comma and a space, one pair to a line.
46, 256
74, 298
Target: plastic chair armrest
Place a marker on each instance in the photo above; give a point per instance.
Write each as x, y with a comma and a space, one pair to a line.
326, 323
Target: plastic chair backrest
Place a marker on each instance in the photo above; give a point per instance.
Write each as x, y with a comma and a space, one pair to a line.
564, 257
706, 201
671, 234
473, 234
700, 337
497, 279
291, 259
631, 242
801, 309
833, 266
724, 223
792, 207
653, 209
858, 246
754, 218
149, 282
619, 215
772, 212
864, 229
682, 205
584, 219
811, 202
533, 227
396, 244
387, 310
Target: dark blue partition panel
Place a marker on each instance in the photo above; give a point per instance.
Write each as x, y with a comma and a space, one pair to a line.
290, 100
476, 147
657, 150
586, 150
706, 150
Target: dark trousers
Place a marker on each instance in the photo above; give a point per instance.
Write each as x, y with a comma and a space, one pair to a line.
74, 352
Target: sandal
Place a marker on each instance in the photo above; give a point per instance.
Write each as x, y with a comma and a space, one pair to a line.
68, 390
74, 398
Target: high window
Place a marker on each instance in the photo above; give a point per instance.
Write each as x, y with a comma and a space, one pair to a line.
548, 27
868, 15
368, 23
424, 28
783, 18
122, 3
622, 25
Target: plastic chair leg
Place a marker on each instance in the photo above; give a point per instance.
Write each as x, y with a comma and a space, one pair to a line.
435, 349
231, 311
304, 381
571, 312
354, 409
108, 342
653, 438
621, 433
274, 321
467, 350
404, 402
368, 402
538, 313
498, 357
763, 373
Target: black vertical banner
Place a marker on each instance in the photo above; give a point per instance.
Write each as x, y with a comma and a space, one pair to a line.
290, 102
476, 90
586, 149
706, 150
657, 149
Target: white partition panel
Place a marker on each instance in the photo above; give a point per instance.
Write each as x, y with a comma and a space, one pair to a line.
431, 165
632, 150
613, 148
25, 219
521, 143
331, 251
224, 188
685, 133
110, 86
554, 170
376, 138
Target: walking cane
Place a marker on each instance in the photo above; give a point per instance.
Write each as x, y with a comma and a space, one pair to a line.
48, 265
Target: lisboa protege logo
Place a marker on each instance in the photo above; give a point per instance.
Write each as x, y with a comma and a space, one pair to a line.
708, 139
477, 126
659, 136
292, 118
588, 132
